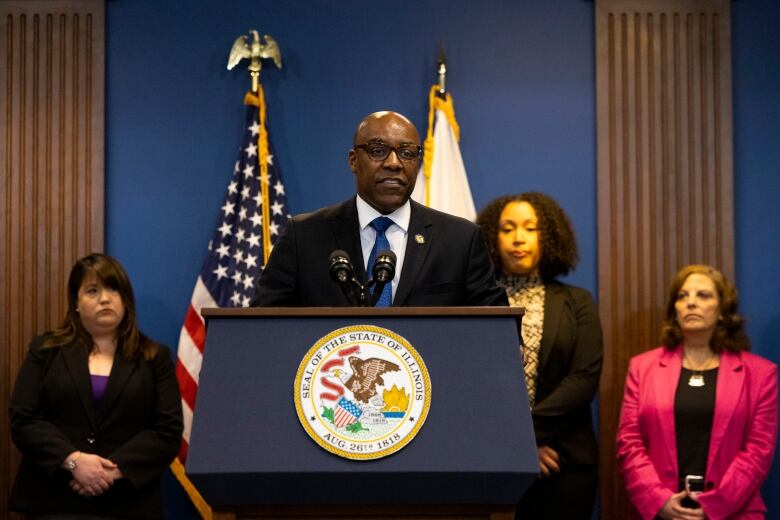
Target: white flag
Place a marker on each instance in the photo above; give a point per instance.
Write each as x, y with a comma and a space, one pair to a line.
445, 187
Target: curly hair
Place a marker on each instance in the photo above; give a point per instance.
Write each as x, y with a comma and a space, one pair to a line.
729, 332
111, 274
557, 243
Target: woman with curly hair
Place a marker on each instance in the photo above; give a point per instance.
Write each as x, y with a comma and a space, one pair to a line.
96, 410
698, 425
531, 242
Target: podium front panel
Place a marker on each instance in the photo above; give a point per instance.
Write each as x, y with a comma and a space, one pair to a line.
476, 447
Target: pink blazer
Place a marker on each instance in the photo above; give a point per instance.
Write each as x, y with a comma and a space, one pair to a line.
742, 442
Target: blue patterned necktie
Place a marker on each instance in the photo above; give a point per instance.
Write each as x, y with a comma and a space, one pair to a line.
381, 224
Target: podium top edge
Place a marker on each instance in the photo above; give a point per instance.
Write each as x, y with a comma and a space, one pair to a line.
282, 312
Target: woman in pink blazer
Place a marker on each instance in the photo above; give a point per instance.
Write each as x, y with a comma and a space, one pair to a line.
700, 406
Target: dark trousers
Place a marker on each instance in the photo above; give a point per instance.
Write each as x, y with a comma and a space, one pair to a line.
570, 493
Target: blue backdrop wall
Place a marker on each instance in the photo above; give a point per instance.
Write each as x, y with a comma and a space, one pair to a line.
756, 86
522, 77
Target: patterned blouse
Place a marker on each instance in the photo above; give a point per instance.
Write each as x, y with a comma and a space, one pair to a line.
528, 292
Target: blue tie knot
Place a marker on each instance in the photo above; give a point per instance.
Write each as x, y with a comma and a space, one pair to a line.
381, 224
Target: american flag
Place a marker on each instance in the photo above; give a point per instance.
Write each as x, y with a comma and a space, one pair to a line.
237, 251
346, 413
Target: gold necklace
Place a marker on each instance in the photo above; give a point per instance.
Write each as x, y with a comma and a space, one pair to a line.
697, 377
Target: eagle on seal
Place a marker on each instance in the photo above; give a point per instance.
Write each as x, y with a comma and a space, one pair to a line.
366, 375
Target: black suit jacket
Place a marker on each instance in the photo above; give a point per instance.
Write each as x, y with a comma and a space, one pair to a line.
446, 262
52, 415
570, 358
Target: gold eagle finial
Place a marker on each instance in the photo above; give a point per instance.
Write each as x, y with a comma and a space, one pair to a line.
255, 52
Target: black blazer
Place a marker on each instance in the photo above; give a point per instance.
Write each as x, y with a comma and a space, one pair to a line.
570, 358
446, 262
52, 415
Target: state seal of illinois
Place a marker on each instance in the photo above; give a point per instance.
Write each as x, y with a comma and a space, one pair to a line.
362, 392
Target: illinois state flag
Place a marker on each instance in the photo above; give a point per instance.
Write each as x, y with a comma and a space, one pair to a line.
442, 183
253, 213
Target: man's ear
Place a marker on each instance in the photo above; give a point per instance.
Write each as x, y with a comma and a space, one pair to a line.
352, 160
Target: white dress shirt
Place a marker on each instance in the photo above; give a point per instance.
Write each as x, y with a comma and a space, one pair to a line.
396, 234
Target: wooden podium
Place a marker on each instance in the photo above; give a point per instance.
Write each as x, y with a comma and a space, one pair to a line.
473, 458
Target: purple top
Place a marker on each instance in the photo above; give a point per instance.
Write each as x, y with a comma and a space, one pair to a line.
98, 389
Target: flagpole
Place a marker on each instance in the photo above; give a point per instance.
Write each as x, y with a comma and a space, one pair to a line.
200, 504
441, 70
437, 94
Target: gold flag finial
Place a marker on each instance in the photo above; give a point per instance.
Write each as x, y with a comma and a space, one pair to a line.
255, 52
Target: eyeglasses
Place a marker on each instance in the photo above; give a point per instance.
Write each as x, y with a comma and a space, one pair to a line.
380, 151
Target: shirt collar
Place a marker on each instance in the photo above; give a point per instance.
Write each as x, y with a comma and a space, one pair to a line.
400, 217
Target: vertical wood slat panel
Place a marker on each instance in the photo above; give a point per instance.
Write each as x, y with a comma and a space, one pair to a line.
51, 173
665, 196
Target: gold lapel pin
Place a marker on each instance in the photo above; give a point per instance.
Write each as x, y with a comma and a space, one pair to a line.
419, 238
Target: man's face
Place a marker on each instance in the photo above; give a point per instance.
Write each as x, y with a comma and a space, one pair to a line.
385, 184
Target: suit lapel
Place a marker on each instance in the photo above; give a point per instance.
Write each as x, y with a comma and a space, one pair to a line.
120, 373
419, 240
76, 359
730, 385
666, 378
554, 300
346, 232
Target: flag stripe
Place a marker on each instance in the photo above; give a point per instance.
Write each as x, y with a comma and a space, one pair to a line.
187, 385
187, 412
343, 417
193, 324
183, 449
201, 297
190, 356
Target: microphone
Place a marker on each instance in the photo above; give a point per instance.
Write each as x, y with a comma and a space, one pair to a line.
341, 271
384, 267
382, 272
340, 266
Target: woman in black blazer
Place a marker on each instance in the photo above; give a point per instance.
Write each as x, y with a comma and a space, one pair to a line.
532, 242
96, 410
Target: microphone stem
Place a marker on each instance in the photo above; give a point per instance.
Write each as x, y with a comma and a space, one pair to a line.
378, 288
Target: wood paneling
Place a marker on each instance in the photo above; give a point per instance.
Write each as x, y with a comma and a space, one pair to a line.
663, 86
51, 173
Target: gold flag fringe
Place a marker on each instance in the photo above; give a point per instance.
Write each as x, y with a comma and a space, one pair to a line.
258, 100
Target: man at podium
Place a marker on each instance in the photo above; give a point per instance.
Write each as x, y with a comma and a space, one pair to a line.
437, 259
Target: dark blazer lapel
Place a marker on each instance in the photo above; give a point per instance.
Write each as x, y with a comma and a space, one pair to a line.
416, 250
554, 300
730, 385
121, 371
346, 232
76, 360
